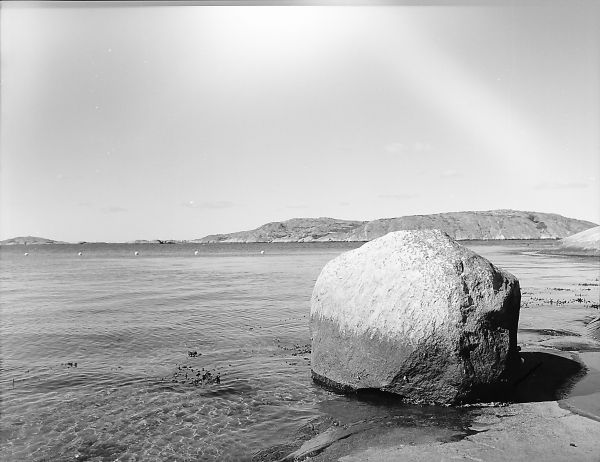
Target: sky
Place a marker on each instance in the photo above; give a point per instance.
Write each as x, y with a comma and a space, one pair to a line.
125, 121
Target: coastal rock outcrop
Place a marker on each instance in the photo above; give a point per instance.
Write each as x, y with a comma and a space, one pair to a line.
584, 243
416, 314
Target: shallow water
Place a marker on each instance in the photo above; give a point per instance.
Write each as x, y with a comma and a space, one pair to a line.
129, 322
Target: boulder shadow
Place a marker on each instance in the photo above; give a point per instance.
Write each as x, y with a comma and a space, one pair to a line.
544, 376
541, 376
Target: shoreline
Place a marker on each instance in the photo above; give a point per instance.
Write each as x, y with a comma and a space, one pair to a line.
565, 428
169, 242
554, 416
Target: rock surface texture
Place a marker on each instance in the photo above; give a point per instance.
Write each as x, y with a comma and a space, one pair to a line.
416, 314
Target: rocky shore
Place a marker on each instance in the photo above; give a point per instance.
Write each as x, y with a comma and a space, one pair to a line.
558, 420
519, 432
553, 412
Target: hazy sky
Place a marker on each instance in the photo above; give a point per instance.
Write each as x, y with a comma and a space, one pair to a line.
123, 122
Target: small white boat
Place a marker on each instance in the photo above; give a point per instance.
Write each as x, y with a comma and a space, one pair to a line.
196, 252
80, 253
262, 252
136, 253
26, 254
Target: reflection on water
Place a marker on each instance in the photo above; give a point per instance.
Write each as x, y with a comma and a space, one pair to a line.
129, 322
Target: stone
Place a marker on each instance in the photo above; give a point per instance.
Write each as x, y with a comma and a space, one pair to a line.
416, 314
584, 243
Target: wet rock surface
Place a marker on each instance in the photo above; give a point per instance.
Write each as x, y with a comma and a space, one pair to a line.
520, 432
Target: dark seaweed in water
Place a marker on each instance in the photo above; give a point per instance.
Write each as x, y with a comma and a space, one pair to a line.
194, 376
296, 349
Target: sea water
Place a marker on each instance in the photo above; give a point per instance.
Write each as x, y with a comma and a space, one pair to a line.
103, 353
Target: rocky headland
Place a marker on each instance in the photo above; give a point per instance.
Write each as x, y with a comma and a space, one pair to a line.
478, 225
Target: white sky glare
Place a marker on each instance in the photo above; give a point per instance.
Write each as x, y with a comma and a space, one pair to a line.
122, 122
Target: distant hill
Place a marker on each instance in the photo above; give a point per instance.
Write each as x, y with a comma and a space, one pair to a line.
294, 230
484, 225
30, 240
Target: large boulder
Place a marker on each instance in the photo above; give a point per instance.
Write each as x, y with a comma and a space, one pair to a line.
416, 314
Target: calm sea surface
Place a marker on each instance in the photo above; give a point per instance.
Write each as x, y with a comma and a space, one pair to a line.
129, 323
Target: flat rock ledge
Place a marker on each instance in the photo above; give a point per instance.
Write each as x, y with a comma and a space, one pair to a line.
416, 314
519, 432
